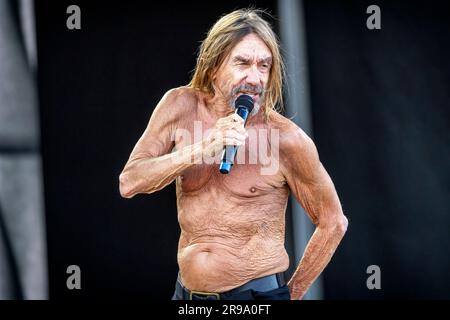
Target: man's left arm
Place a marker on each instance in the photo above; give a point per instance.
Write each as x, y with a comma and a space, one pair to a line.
312, 187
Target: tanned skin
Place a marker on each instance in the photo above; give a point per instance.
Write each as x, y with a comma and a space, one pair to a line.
233, 226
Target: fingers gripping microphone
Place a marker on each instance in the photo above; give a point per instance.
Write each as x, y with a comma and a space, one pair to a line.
243, 107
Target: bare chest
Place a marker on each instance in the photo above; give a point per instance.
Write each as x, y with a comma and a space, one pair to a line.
256, 170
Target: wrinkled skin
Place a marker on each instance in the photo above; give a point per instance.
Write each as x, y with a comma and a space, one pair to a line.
233, 226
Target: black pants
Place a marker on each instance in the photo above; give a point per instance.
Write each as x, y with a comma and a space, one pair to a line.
281, 293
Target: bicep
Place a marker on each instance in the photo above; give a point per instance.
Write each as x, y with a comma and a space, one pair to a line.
157, 138
310, 183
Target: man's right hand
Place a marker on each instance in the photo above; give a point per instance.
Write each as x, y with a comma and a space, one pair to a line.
228, 130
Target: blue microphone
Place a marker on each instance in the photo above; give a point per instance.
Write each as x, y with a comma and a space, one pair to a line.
243, 107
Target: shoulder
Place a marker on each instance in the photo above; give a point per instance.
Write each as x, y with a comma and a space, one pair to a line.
179, 99
181, 94
176, 104
297, 152
291, 137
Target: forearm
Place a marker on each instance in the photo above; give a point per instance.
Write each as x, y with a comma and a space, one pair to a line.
317, 255
147, 175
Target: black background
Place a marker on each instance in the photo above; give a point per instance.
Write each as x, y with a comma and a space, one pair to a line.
381, 114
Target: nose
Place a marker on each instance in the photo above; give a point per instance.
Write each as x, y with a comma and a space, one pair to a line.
253, 76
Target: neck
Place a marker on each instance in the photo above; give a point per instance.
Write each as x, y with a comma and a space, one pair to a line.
219, 106
254, 119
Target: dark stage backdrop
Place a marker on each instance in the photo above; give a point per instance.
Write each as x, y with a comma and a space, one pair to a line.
98, 87
381, 114
380, 104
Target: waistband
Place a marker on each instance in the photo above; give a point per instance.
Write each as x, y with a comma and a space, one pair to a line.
266, 283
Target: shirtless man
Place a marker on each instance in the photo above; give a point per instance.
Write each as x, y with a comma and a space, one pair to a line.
233, 225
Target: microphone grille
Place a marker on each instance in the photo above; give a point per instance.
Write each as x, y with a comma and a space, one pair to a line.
244, 101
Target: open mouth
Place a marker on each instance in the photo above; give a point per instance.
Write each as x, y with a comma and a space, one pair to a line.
251, 94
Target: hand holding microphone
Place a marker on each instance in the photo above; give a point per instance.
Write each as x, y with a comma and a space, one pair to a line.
229, 133
243, 107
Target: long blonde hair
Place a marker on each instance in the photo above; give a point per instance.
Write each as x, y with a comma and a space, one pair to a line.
221, 39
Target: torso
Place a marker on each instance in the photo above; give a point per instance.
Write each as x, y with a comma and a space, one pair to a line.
232, 226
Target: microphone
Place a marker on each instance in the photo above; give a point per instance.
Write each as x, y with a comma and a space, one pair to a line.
243, 107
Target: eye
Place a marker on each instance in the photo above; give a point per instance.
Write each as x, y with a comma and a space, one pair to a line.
265, 66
